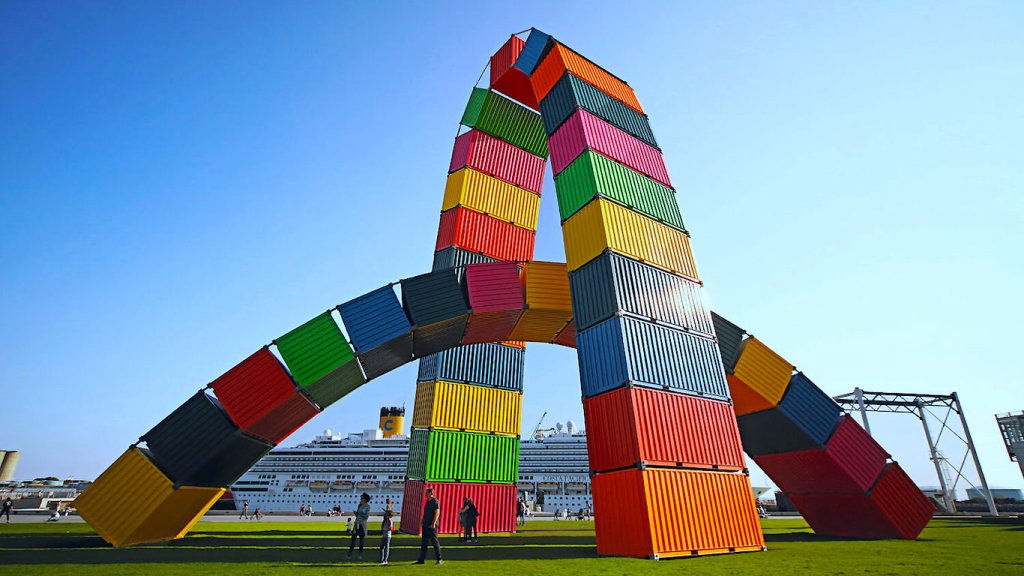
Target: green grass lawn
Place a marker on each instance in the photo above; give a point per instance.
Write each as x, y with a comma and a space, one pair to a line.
961, 547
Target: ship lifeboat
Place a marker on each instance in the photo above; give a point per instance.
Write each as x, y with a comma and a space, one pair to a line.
296, 483
576, 487
526, 486
547, 487
397, 484
341, 486
367, 485
318, 486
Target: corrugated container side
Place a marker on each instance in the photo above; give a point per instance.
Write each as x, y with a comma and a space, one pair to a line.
633, 425
434, 338
494, 287
762, 370
483, 193
495, 502
546, 285
812, 471
497, 158
570, 93
490, 327
444, 455
902, 502
612, 283
453, 257
560, 58
503, 118
772, 432
857, 453
177, 514
433, 297
532, 51
623, 350
540, 325
285, 418
480, 364
476, 232
603, 225
843, 515
664, 513
253, 388
336, 385
314, 350
374, 318
745, 400
730, 336
464, 407
592, 175
507, 79
584, 131
567, 337
387, 356
123, 497
810, 408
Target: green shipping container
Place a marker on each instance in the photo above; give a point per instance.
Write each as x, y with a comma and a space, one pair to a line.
321, 360
593, 175
448, 456
502, 118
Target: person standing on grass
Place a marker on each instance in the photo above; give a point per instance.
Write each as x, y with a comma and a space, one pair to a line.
463, 527
386, 528
521, 513
257, 514
302, 509
429, 525
359, 530
245, 510
472, 514
6, 510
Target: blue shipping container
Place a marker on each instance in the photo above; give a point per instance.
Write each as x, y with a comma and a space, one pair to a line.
626, 350
434, 297
532, 51
480, 364
810, 408
374, 319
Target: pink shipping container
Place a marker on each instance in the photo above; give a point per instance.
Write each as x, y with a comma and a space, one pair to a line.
496, 297
851, 462
583, 130
631, 425
496, 503
253, 388
485, 235
284, 419
499, 159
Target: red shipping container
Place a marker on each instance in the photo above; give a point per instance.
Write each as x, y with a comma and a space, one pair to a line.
851, 462
902, 502
631, 425
843, 515
488, 327
495, 502
567, 337
510, 81
253, 388
499, 159
485, 235
284, 419
583, 130
494, 287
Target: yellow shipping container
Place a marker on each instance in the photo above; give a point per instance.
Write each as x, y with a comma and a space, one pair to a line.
133, 502
548, 306
762, 370
482, 193
454, 406
602, 224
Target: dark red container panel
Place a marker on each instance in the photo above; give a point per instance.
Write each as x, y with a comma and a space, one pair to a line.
499, 159
284, 419
508, 80
631, 425
902, 502
495, 502
857, 452
487, 327
843, 515
253, 388
494, 287
480, 233
567, 337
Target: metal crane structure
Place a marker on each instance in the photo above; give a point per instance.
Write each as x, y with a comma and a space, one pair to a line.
1011, 426
537, 432
940, 407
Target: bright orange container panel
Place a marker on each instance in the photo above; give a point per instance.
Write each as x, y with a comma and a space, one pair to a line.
482, 193
603, 225
548, 307
454, 406
632, 425
133, 502
661, 513
745, 400
763, 371
561, 58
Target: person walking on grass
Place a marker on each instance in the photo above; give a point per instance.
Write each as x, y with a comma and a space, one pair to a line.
386, 528
429, 525
245, 510
359, 530
6, 510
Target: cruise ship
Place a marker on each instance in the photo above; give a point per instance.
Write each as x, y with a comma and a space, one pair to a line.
334, 469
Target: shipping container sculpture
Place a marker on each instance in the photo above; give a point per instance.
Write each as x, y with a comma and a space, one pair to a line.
663, 380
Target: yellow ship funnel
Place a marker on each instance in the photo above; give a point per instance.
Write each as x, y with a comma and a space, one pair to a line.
392, 420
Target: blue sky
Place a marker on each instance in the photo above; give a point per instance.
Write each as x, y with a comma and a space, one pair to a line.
181, 185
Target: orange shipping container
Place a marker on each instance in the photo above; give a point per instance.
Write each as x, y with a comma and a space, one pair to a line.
763, 371
561, 58
660, 513
548, 306
454, 406
745, 400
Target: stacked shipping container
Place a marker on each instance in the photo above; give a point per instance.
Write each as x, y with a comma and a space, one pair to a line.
655, 398
835, 474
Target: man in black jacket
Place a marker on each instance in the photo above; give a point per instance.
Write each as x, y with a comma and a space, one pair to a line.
431, 518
